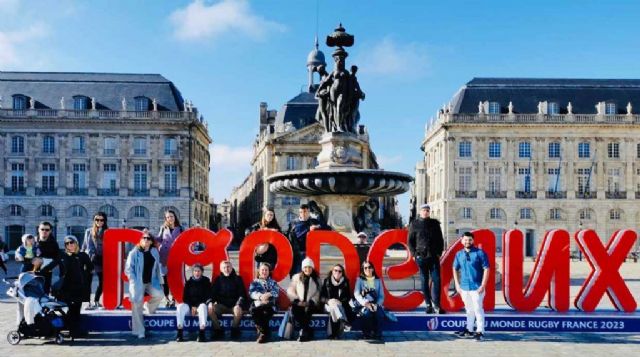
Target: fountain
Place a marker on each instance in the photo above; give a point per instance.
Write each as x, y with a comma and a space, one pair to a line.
340, 181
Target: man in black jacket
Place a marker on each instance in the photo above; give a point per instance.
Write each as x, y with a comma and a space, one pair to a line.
426, 245
49, 249
196, 297
229, 296
297, 234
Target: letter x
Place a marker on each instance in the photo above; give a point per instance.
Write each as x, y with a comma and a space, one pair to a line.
605, 263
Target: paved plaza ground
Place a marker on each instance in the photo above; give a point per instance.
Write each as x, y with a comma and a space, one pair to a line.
396, 343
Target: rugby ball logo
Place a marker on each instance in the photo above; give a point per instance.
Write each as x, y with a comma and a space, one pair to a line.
432, 324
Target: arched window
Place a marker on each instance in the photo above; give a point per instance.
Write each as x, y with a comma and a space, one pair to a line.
526, 213
16, 210
77, 211
46, 211
139, 212
555, 214
586, 214
111, 211
141, 104
19, 102
615, 214
497, 213
80, 102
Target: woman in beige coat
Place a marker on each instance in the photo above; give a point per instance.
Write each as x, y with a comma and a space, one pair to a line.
304, 294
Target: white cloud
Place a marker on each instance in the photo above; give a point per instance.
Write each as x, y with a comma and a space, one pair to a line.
394, 59
200, 21
12, 42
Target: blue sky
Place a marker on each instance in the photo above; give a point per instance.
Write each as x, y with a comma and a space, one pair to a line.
228, 56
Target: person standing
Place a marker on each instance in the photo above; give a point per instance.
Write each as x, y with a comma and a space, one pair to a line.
196, 297
470, 274
426, 245
228, 297
74, 285
297, 234
266, 253
92, 245
168, 233
362, 246
49, 249
143, 270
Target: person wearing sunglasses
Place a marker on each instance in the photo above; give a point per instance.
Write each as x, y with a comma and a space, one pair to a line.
335, 295
426, 245
92, 245
370, 297
49, 249
74, 285
144, 273
470, 274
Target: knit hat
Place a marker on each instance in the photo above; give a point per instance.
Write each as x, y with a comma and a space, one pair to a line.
425, 206
307, 262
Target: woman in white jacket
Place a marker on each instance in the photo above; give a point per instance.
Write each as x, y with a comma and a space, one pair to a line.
143, 270
304, 294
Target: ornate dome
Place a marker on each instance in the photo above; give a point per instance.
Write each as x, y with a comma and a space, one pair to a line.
316, 57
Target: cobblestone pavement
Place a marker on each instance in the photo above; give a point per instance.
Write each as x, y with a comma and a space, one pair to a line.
396, 343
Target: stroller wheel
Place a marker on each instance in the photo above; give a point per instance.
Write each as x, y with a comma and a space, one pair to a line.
13, 337
59, 339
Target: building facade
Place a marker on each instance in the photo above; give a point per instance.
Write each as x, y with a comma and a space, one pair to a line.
534, 154
288, 140
72, 144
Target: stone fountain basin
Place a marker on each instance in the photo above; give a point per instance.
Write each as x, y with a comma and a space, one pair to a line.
347, 181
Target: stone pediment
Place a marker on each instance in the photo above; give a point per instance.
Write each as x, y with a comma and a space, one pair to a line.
311, 134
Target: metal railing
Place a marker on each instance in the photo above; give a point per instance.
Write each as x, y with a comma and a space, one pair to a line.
46, 191
97, 114
138, 192
616, 195
556, 194
77, 191
108, 192
466, 194
495, 194
169, 193
589, 195
527, 194
9, 191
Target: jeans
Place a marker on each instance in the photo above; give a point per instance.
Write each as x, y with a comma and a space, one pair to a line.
137, 312
430, 273
372, 321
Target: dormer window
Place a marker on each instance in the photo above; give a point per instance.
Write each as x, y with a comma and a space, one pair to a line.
141, 104
19, 102
494, 108
610, 108
553, 108
80, 102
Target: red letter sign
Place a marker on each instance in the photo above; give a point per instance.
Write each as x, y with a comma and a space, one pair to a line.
550, 272
485, 240
114, 256
410, 300
215, 251
605, 276
351, 259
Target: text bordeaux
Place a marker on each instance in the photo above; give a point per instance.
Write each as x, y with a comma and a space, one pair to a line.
550, 276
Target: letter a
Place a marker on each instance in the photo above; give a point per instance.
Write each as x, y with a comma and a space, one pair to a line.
605, 276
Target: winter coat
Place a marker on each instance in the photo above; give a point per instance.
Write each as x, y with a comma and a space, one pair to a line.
270, 256
74, 284
229, 290
363, 293
49, 248
133, 269
93, 249
26, 262
295, 292
341, 292
298, 233
165, 240
425, 238
258, 287
197, 292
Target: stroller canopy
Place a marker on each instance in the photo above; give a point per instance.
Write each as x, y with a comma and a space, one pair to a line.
31, 285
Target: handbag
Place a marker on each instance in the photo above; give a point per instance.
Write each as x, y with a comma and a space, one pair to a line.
285, 331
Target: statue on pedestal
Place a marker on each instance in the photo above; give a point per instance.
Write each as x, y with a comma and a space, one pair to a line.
339, 92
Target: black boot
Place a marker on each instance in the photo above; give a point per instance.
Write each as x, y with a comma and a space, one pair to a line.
235, 333
201, 337
218, 334
179, 337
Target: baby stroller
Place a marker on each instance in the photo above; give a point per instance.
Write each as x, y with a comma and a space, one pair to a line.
46, 315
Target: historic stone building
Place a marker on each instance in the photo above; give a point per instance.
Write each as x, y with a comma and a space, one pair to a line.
72, 144
288, 140
534, 154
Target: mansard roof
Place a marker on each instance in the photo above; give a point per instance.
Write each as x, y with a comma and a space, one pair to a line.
108, 89
300, 111
525, 93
